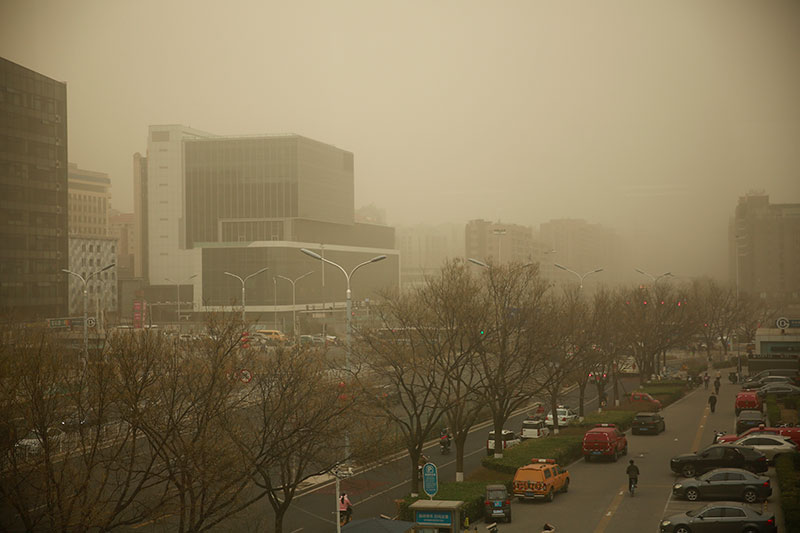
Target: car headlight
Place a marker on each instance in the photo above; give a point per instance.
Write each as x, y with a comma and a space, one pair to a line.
665, 523
677, 486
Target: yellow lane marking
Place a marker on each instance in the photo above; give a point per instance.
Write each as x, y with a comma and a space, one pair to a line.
699, 435
601, 527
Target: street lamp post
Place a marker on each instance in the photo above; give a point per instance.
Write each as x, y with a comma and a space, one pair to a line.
580, 277
85, 281
348, 294
243, 281
348, 320
294, 311
178, 289
652, 277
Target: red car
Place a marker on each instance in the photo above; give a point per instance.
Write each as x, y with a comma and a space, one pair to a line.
645, 402
604, 440
792, 433
747, 400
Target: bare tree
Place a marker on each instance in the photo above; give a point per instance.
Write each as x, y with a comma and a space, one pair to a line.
507, 361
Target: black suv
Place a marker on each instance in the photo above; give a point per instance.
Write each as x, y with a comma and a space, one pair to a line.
718, 456
749, 418
649, 423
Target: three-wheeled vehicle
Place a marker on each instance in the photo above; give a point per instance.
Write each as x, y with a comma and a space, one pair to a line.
497, 504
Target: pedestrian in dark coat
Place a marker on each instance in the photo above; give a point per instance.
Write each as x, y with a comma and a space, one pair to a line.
712, 401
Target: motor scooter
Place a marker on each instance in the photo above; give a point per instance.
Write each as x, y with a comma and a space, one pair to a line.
444, 445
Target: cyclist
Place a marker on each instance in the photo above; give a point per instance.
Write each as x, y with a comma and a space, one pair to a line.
345, 509
633, 476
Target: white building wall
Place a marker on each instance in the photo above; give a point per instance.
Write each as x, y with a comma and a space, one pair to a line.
168, 257
88, 255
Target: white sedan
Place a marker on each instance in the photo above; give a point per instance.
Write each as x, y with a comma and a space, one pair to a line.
769, 445
565, 416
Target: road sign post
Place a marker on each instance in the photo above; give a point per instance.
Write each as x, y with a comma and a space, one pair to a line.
430, 479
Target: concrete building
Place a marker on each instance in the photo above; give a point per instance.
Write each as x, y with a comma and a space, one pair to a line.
237, 204
583, 247
87, 255
499, 242
89, 194
140, 215
33, 194
424, 249
764, 248
122, 228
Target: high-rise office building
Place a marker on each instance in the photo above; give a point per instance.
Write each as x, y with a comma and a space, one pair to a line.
764, 248
89, 194
33, 193
237, 204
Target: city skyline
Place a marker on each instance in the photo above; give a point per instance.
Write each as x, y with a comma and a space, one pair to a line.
549, 112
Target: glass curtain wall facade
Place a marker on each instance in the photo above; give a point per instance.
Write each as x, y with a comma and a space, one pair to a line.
33, 194
244, 188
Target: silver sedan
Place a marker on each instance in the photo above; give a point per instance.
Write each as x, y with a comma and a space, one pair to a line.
769, 445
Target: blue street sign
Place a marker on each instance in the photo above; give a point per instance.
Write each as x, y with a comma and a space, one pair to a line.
434, 518
430, 479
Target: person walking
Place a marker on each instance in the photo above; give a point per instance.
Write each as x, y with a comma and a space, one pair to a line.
717, 385
706, 379
712, 402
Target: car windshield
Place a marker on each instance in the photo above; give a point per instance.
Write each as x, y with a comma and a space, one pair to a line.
694, 512
644, 418
496, 494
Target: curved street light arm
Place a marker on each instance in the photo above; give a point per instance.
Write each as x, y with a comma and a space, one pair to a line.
476, 262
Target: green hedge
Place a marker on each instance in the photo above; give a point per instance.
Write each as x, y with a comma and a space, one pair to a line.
472, 493
563, 448
773, 411
667, 391
786, 470
623, 419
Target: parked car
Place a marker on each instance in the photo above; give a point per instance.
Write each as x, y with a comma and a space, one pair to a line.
749, 419
565, 416
604, 440
497, 503
33, 442
542, 478
533, 428
724, 484
792, 433
272, 335
792, 373
648, 423
718, 456
644, 401
509, 439
769, 445
778, 389
766, 380
720, 516
747, 400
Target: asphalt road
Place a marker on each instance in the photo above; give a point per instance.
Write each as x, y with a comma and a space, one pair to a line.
374, 492
598, 500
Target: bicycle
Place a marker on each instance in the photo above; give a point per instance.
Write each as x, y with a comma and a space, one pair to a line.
632, 482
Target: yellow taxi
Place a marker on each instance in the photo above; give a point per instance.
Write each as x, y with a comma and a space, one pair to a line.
540, 479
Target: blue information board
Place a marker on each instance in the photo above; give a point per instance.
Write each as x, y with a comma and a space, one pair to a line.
430, 479
434, 518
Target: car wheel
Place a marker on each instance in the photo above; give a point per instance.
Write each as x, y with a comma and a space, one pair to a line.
551, 496
566, 486
616, 455
682, 529
750, 530
750, 496
688, 471
692, 494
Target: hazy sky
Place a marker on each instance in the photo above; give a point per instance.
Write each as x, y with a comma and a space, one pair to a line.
649, 117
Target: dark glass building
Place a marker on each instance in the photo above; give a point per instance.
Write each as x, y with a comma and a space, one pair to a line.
33, 194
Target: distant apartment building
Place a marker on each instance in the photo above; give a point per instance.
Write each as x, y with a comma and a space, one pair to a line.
764, 248
89, 202
582, 247
425, 248
121, 226
499, 242
237, 204
87, 256
91, 245
33, 194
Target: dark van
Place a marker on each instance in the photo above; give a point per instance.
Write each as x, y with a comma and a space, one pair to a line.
497, 504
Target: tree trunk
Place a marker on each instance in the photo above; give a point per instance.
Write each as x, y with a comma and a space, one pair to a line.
581, 396
460, 438
554, 407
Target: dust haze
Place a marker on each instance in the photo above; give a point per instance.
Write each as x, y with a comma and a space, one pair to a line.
649, 118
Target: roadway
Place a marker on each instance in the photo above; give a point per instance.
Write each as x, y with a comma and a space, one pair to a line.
598, 500
374, 491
